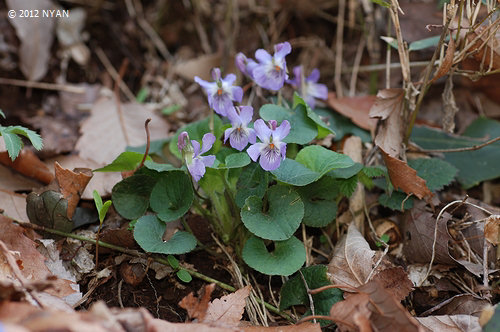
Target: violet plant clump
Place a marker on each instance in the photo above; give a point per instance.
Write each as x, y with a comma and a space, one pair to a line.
248, 188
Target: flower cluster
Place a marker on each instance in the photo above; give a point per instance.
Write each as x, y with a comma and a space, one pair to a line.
269, 72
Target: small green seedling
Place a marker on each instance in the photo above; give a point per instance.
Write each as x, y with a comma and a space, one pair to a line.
182, 274
384, 239
102, 209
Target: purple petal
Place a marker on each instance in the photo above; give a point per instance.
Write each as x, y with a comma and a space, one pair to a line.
196, 148
263, 56
314, 76
238, 140
241, 62
282, 131
268, 77
204, 84
250, 67
236, 93
227, 132
310, 101
272, 124
233, 116
283, 150
182, 140
317, 90
296, 80
254, 150
196, 169
220, 103
208, 140
262, 130
270, 158
281, 50
251, 135
246, 114
216, 74
229, 79
208, 161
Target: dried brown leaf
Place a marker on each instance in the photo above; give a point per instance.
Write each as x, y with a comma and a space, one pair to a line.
491, 228
388, 108
447, 62
352, 259
14, 205
199, 66
355, 108
395, 281
487, 48
229, 308
405, 178
28, 164
457, 323
36, 35
419, 225
106, 133
13, 181
72, 184
462, 304
197, 307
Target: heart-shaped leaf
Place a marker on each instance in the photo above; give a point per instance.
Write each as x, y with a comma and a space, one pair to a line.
236, 160
311, 163
126, 161
288, 256
149, 230
320, 207
251, 182
49, 209
303, 129
131, 195
172, 195
282, 217
323, 128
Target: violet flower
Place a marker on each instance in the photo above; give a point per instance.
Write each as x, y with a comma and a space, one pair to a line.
221, 93
307, 86
272, 150
239, 134
245, 65
192, 154
270, 72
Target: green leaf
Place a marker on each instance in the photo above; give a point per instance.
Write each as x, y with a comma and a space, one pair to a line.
395, 200
155, 147
382, 3
97, 200
236, 160
282, 217
148, 233
172, 195
131, 195
311, 163
288, 256
142, 94
34, 138
49, 209
345, 173
294, 292
348, 186
424, 43
174, 263
152, 165
493, 324
251, 182
184, 276
473, 166
170, 109
374, 171
322, 126
393, 42
13, 143
318, 197
196, 130
104, 210
341, 125
436, 172
303, 129
126, 161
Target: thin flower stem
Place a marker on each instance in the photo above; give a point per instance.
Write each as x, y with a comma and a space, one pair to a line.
280, 98
136, 253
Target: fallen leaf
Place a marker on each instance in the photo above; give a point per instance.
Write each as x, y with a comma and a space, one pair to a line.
376, 304
28, 164
491, 227
353, 260
36, 35
72, 184
69, 34
405, 178
14, 205
229, 308
388, 107
197, 307
461, 304
418, 227
13, 181
486, 47
31, 261
395, 281
72, 103
457, 323
355, 108
107, 132
200, 66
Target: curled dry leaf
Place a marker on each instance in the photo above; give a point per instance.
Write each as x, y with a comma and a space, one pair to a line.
376, 304
487, 47
197, 307
456, 323
353, 260
36, 35
491, 227
28, 164
72, 184
462, 304
447, 62
418, 227
229, 308
355, 108
395, 281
